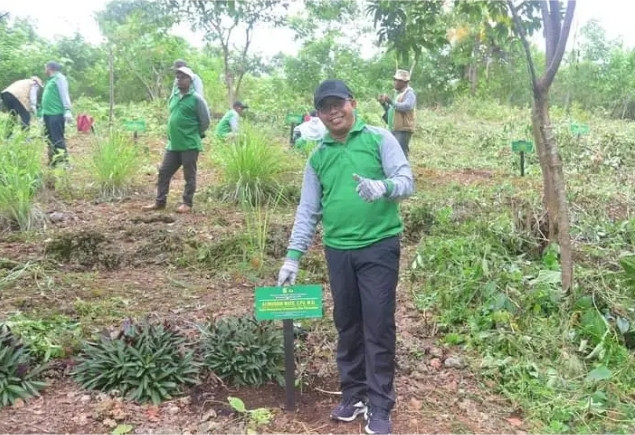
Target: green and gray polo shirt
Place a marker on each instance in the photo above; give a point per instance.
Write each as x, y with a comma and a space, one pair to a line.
329, 191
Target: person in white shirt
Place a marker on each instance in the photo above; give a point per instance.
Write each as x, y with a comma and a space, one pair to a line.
312, 130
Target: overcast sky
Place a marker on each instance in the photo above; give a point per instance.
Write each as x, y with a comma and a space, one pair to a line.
65, 17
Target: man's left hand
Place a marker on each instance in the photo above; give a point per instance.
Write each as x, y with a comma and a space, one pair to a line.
369, 190
68, 117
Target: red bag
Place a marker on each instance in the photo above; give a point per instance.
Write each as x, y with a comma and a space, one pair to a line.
85, 123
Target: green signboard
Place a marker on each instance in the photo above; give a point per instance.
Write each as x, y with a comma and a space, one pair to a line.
294, 302
139, 125
522, 146
579, 129
294, 118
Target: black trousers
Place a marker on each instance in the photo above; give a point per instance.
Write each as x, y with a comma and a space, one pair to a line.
363, 285
403, 137
172, 161
54, 131
15, 109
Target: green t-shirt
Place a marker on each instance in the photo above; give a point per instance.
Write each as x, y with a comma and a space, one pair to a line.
350, 222
189, 117
224, 127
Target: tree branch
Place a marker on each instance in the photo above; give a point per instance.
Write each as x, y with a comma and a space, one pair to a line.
523, 39
550, 74
547, 31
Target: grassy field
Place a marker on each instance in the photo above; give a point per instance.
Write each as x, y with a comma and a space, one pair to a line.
487, 341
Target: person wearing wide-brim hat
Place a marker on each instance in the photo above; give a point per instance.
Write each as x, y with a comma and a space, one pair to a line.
20, 99
401, 110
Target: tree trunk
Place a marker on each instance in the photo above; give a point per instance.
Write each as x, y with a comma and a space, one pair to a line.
111, 71
554, 185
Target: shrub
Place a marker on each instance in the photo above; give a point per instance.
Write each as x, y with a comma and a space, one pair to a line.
52, 337
145, 362
20, 180
17, 372
243, 350
251, 168
114, 162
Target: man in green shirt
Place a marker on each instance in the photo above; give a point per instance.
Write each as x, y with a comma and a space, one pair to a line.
228, 125
188, 120
56, 112
352, 182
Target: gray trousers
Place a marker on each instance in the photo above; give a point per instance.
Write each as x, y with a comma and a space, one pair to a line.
172, 161
363, 285
403, 137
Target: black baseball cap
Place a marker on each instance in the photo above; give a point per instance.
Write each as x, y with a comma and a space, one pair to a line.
331, 88
240, 104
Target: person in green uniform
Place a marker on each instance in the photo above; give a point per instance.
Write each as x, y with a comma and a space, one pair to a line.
228, 125
189, 119
56, 112
352, 183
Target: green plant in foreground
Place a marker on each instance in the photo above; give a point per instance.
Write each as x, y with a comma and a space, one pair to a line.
251, 168
255, 417
20, 180
145, 362
51, 337
114, 162
18, 373
243, 351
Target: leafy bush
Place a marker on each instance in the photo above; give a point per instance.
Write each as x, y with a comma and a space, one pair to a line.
17, 372
251, 168
47, 338
20, 179
114, 162
244, 351
145, 362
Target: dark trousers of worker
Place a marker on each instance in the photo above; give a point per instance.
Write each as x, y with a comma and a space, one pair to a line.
363, 285
54, 131
403, 137
172, 161
15, 109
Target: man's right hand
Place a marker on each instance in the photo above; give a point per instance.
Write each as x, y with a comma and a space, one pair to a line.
288, 272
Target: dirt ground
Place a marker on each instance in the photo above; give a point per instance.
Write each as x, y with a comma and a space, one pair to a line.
126, 268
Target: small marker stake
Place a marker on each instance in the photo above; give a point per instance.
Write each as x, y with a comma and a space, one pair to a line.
522, 147
286, 304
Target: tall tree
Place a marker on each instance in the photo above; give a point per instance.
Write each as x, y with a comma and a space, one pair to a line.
142, 47
224, 22
414, 26
556, 28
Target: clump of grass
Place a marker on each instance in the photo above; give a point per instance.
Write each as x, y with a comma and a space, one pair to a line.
114, 162
252, 168
21, 172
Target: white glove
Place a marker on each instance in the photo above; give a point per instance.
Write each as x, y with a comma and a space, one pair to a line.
288, 272
68, 117
369, 190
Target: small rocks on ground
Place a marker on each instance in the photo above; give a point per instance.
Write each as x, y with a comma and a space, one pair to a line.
454, 362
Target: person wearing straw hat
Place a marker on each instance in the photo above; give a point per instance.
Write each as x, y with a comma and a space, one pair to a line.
20, 99
401, 110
